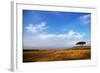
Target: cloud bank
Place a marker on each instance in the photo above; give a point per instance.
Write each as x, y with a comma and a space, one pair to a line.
50, 41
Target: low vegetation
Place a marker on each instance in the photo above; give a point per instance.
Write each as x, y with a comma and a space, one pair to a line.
75, 53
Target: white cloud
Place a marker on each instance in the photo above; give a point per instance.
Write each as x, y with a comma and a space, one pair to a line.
36, 27
75, 34
85, 19
85, 16
70, 34
54, 40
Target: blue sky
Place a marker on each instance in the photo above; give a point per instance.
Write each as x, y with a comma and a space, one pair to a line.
55, 29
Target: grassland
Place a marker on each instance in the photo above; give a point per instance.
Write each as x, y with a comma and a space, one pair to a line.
75, 53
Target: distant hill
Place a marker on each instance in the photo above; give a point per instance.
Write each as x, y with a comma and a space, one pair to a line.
79, 47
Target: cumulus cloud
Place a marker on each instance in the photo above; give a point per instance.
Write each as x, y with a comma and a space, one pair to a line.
85, 19
36, 27
54, 40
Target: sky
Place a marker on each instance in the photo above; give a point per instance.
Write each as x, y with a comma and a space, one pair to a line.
55, 29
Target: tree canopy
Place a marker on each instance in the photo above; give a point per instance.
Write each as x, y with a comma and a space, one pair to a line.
81, 43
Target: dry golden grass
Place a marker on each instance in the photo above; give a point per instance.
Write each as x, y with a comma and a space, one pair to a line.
57, 55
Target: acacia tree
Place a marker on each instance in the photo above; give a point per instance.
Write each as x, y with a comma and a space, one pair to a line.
81, 43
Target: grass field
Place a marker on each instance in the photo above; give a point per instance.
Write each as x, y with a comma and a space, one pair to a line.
75, 53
